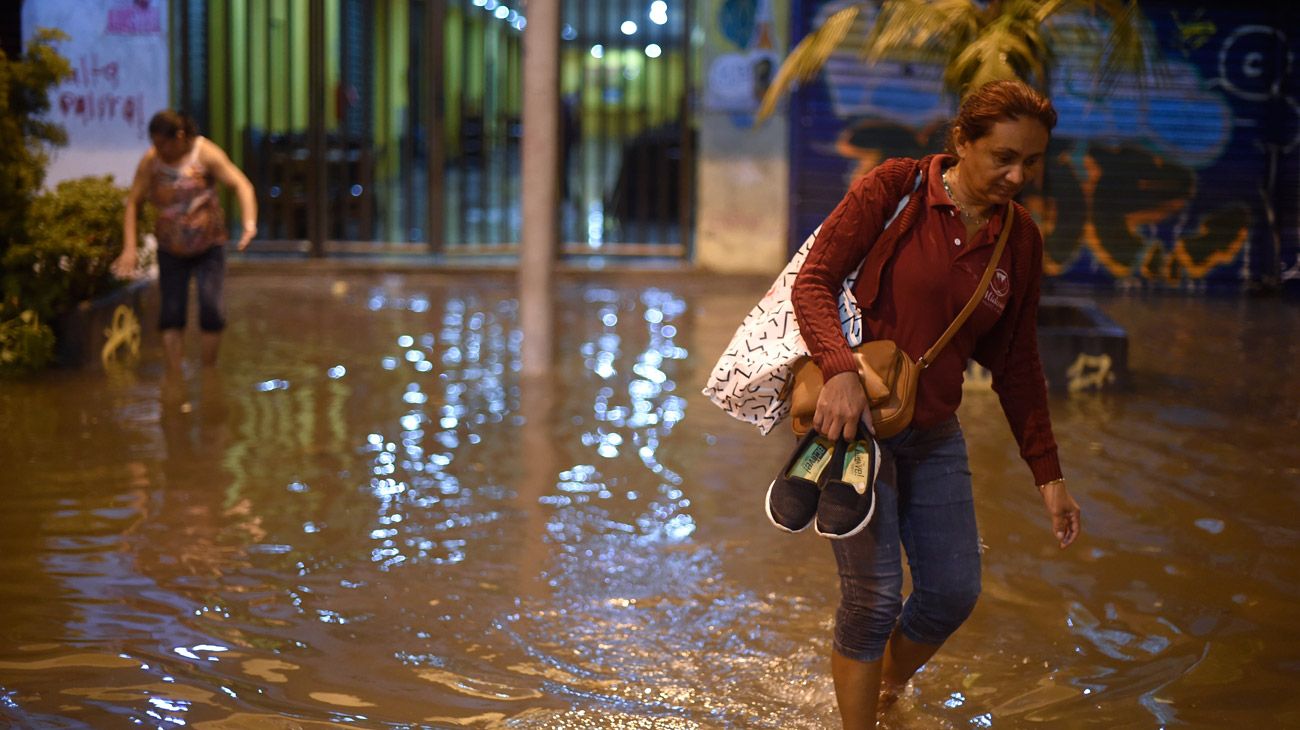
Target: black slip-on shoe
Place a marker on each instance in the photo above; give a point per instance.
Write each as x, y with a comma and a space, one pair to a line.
848, 497
791, 502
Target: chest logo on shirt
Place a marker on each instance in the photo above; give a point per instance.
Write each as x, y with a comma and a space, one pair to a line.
999, 288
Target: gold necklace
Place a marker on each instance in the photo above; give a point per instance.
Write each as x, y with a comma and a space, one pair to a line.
975, 219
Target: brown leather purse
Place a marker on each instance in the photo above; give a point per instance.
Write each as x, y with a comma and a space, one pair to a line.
889, 376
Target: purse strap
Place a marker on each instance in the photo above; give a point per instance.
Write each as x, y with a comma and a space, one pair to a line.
933, 352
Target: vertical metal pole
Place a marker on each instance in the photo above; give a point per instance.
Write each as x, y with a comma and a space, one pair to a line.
663, 202
410, 125
184, 34
510, 53
540, 234
317, 209
686, 174
602, 34
460, 166
231, 142
636, 139
268, 122
343, 127
434, 94
626, 161
487, 136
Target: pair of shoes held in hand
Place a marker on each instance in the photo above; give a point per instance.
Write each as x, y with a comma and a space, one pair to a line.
827, 483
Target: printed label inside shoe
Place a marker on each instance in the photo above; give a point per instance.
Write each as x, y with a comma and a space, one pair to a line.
813, 460
857, 465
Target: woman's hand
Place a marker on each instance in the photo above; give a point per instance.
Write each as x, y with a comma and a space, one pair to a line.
841, 405
124, 265
247, 235
1063, 510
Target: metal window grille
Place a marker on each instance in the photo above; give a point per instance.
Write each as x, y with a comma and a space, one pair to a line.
395, 125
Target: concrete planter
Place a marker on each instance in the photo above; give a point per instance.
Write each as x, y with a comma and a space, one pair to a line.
107, 331
1081, 348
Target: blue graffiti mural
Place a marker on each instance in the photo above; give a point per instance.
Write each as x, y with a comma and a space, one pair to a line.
1189, 177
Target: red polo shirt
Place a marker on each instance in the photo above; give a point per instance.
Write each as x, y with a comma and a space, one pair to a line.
934, 273
915, 278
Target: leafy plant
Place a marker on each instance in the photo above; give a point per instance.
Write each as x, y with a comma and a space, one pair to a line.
25, 134
976, 42
73, 234
71, 237
26, 344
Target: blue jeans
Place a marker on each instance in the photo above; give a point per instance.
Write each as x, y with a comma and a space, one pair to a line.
924, 506
209, 269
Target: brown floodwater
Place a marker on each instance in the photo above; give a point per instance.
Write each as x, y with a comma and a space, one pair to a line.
365, 517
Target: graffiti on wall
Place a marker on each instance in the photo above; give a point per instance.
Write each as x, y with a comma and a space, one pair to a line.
739, 74
119, 55
1124, 189
1171, 181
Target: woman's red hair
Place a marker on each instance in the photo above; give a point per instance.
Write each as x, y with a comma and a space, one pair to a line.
999, 101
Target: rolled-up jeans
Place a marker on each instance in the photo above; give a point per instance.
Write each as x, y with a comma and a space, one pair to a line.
924, 505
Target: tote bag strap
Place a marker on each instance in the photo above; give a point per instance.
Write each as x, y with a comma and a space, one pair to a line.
851, 280
933, 352
902, 203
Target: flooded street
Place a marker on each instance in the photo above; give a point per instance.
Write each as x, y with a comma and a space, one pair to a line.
364, 517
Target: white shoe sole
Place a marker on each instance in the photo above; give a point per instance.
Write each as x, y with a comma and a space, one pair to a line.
861, 525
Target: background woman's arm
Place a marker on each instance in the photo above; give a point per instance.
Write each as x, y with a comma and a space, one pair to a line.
125, 264
216, 160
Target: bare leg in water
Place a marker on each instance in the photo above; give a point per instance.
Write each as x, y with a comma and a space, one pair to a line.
210, 341
864, 689
857, 686
174, 349
902, 658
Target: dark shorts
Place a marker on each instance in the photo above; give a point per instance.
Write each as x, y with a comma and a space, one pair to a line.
174, 272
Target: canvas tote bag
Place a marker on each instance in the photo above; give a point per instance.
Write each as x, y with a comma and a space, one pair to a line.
751, 380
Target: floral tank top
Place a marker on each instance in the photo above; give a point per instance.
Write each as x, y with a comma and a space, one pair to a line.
190, 218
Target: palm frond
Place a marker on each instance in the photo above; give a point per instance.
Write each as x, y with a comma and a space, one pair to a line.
1026, 58
808, 57
1026, 46
1046, 10
1125, 49
918, 25
982, 60
982, 41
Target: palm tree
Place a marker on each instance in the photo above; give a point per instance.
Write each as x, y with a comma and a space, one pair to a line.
976, 41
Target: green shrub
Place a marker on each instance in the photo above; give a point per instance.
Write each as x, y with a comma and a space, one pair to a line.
26, 344
25, 132
73, 234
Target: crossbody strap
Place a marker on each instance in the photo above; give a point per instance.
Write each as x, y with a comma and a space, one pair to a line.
933, 352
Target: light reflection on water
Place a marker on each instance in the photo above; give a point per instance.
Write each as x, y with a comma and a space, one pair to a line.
368, 516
